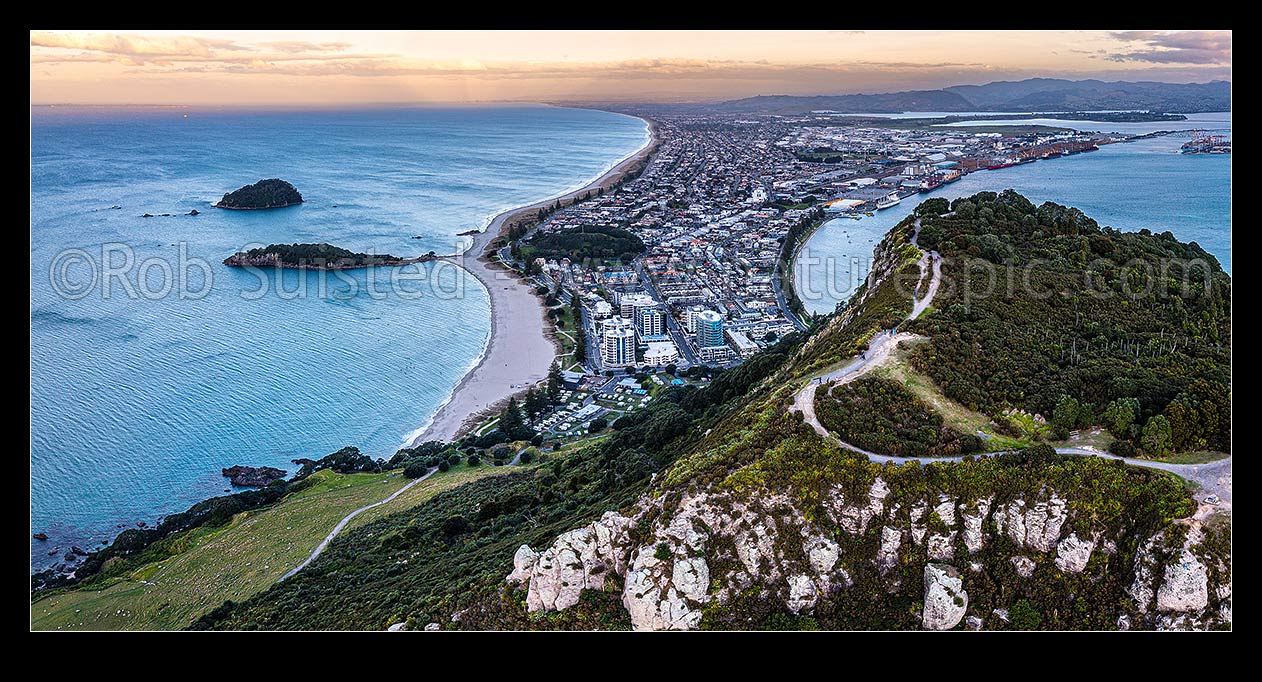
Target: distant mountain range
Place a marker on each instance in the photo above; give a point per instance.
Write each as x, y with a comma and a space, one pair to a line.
1033, 94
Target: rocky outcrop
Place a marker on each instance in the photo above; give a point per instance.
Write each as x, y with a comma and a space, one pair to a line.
1036, 528
253, 477
679, 555
945, 599
1024, 565
578, 560
1185, 585
1073, 553
854, 518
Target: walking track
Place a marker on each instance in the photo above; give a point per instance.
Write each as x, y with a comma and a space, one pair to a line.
1213, 477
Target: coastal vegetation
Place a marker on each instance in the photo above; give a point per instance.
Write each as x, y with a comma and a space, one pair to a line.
192, 572
314, 256
270, 193
136, 546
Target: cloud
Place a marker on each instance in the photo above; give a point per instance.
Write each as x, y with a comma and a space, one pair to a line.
303, 46
134, 49
1174, 47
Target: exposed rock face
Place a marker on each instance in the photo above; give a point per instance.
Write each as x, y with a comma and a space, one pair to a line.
253, 477
945, 598
887, 556
973, 538
853, 518
942, 547
1073, 553
579, 559
1024, 565
1171, 589
1185, 586
1037, 528
703, 548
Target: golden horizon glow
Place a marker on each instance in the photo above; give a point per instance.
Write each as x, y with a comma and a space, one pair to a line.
366, 67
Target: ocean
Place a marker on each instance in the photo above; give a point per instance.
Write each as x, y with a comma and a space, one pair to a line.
1128, 186
153, 365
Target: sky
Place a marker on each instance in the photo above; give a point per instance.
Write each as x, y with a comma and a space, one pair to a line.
235, 68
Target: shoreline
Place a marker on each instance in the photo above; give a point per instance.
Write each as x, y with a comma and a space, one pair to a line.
505, 369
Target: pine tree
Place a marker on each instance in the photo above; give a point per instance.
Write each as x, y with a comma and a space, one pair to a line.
554, 380
510, 419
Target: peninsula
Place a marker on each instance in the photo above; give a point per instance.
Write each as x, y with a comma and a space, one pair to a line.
270, 193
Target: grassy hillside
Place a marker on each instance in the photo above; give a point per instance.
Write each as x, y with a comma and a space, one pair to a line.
202, 567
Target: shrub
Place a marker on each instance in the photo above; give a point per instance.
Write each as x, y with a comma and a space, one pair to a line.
415, 469
1023, 616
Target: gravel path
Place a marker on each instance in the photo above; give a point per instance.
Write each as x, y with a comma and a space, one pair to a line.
346, 519
1214, 478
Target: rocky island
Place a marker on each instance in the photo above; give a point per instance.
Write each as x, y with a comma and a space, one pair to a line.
270, 193
315, 257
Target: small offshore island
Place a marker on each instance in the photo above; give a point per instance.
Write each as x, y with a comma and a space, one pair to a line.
316, 257
270, 193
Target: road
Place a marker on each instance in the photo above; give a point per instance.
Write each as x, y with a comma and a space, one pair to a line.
1214, 478
346, 519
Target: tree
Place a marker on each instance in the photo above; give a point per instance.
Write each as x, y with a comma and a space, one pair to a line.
554, 380
580, 342
1156, 438
510, 418
415, 469
534, 403
443, 465
474, 460
597, 425
672, 368
1065, 416
1119, 415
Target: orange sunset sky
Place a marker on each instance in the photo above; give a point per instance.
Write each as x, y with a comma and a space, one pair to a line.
362, 67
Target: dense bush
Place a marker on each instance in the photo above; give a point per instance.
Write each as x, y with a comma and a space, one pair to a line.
1039, 303
880, 415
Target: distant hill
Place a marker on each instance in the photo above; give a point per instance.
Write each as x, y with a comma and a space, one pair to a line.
1038, 94
894, 102
1055, 93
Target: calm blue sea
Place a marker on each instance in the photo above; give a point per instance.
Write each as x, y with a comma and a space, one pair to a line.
138, 402
1129, 186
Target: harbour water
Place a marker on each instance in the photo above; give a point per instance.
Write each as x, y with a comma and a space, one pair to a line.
138, 401
1128, 186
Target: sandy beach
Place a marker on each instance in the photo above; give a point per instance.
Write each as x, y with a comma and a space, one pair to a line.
519, 352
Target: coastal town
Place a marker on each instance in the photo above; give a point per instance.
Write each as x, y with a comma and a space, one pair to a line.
717, 212
715, 208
